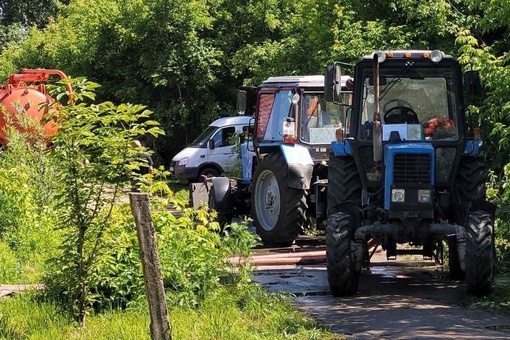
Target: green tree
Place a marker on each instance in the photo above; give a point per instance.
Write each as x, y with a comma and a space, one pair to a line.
93, 150
28, 13
185, 59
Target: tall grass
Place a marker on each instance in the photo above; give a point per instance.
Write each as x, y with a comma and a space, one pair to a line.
27, 184
226, 315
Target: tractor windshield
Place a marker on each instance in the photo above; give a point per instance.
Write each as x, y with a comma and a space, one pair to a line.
319, 119
423, 98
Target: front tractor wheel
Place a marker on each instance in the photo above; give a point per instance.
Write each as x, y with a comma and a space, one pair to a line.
479, 253
342, 276
279, 211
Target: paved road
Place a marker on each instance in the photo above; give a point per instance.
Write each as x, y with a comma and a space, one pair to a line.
396, 300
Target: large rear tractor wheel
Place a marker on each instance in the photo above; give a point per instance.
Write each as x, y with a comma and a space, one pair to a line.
342, 277
479, 253
279, 211
469, 187
344, 183
470, 181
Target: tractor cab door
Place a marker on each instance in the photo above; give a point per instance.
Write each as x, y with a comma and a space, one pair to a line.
274, 108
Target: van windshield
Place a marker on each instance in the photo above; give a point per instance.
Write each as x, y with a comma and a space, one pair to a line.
201, 140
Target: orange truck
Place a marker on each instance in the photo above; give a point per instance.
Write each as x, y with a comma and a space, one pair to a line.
26, 92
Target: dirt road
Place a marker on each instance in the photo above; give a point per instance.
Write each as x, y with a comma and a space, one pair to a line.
396, 300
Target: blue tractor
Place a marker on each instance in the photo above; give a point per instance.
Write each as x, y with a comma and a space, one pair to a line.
285, 159
407, 170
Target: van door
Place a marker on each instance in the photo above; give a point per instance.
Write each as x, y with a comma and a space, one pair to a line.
222, 153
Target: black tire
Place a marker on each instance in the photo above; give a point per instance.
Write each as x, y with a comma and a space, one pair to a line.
208, 171
344, 183
470, 181
279, 212
342, 277
456, 272
479, 253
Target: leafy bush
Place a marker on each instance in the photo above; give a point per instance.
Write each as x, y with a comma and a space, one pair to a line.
491, 115
195, 256
63, 204
94, 150
26, 212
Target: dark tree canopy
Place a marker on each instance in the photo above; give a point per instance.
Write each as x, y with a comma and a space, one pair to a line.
185, 59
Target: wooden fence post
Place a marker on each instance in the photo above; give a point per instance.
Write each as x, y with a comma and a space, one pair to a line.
160, 324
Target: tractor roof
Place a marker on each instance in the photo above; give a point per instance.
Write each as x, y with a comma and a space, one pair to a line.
298, 81
407, 54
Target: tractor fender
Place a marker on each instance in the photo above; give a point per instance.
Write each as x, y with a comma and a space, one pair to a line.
341, 148
299, 165
473, 147
222, 195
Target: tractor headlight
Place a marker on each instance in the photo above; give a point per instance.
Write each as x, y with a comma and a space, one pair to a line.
381, 56
424, 196
398, 195
183, 161
436, 56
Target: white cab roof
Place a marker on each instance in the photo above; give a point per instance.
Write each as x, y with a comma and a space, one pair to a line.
300, 81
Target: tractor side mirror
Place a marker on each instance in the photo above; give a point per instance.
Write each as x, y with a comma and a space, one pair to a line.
242, 98
333, 83
472, 86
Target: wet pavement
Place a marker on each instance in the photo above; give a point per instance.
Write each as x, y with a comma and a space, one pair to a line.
396, 300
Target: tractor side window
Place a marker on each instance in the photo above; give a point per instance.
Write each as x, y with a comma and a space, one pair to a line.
319, 120
280, 110
264, 107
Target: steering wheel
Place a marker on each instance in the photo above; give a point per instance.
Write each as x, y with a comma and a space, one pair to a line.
400, 114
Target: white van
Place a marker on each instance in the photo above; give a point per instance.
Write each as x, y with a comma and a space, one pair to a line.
210, 154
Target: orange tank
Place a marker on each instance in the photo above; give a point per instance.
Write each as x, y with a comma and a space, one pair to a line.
26, 91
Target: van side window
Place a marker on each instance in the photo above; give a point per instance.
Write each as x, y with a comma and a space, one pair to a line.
223, 137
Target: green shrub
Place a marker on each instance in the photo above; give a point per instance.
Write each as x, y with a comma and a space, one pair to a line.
94, 150
194, 254
9, 270
27, 179
499, 194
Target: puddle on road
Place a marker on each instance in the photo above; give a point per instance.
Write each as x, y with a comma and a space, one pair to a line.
392, 272
387, 272
286, 276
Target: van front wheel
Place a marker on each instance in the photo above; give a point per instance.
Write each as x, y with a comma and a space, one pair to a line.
208, 172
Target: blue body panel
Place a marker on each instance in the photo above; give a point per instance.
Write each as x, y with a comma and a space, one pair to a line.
390, 150
472, 147
341, 149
